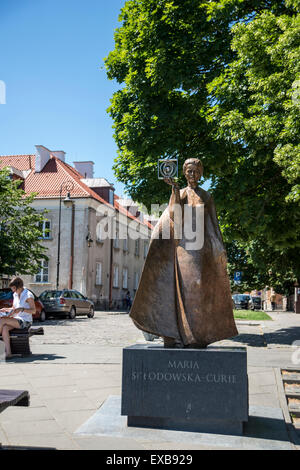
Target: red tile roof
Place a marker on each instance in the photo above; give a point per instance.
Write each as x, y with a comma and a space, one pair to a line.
21, 162
47, 183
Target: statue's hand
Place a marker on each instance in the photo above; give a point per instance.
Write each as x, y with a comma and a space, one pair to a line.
172, 183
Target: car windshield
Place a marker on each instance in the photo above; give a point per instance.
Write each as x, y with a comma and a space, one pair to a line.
241, 297
50, 294
6, 295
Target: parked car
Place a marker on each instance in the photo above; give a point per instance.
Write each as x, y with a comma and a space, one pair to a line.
241, 301
66, 302
6, 300
255, 303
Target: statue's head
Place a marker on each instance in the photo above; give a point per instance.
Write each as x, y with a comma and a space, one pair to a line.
193, 170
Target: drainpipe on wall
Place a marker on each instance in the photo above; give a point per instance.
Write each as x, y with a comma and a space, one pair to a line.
110, 274
72, 248
88, 268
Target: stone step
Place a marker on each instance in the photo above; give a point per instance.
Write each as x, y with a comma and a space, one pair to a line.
292, 392
291, 378
294, 408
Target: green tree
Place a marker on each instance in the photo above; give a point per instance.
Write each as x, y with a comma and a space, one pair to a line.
261, 265
20, 229
215, 80
257, 115
256, 112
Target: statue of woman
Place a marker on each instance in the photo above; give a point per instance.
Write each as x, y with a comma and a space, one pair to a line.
184, 291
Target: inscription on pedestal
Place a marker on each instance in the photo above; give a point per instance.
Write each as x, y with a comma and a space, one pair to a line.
194, 385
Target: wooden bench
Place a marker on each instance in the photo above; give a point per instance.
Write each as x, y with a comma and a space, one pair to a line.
19, 339
13, 398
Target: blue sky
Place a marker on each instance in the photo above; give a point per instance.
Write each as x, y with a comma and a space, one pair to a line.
56, 92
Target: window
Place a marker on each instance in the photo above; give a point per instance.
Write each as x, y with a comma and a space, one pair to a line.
116, 240
125, 244
111, 197
43, 274
116, 276
79, 295
74, 294
45, 227
125, 278
137, 247
136, 280
99, 234
146, 246
51, 294
98, 274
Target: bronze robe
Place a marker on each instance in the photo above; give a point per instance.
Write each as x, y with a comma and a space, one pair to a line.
185, 294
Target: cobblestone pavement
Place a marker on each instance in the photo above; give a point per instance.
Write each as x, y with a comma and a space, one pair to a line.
106, 328
116, 328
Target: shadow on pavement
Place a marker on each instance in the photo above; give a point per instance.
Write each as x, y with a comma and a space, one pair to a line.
283, 336
248, 339
36, 357
52, 321
261, 427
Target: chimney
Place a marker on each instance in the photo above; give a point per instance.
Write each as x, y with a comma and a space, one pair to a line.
42, 157
59, 154
86, 169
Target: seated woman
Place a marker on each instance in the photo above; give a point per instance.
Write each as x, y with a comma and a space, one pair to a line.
20, 316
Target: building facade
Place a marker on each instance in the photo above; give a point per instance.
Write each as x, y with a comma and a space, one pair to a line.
94, 243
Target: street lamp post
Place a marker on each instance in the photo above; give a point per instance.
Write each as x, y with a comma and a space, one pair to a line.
68, 186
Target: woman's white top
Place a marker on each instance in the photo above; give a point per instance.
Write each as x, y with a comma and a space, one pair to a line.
21, 302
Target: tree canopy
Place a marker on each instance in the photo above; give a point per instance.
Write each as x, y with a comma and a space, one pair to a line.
20, 229
217, 80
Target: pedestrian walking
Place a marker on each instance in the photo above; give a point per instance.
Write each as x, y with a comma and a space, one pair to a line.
273, 299
128, 301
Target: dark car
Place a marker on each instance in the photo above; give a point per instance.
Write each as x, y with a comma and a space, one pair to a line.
241, 301
255, 303
6, 300
66, 302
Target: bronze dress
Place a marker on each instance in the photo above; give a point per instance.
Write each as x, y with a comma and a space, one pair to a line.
184, 295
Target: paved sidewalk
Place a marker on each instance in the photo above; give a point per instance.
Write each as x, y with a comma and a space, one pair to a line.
75, 370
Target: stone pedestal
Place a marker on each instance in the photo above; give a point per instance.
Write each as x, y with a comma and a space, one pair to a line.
202, 390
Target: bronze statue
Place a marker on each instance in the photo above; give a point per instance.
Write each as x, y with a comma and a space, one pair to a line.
184, 293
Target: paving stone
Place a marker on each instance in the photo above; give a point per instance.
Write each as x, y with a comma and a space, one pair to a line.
69, 404
30, 428
20, 414
71, 420
69, 391
108, 443
58, 441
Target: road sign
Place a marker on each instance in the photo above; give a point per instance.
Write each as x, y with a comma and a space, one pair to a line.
238, 277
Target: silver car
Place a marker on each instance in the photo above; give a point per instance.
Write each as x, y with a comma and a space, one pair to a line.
68, 302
